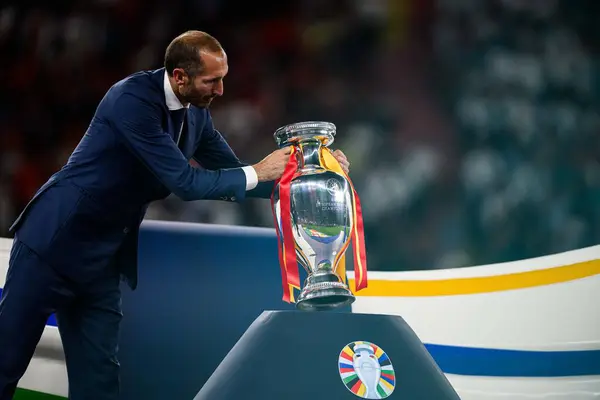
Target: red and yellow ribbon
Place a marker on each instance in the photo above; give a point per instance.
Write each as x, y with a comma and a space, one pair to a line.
287, 252
357, 236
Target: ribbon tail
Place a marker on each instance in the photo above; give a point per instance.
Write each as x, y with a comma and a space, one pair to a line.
358, 247
357, 234
289, 267
286, 293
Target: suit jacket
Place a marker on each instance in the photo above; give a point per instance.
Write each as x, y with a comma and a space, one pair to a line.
87, 215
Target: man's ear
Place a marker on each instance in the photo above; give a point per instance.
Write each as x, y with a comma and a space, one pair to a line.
180, 76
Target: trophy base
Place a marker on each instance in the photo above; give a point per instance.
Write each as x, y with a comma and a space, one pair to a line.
320, 344
324, 291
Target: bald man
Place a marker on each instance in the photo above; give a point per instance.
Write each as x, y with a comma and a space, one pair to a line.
77, 237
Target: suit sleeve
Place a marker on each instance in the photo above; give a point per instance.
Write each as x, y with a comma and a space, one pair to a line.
214, 152
138, 126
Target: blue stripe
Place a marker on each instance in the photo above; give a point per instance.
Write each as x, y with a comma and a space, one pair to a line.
52, 321
508, 363
383, 358
496, 362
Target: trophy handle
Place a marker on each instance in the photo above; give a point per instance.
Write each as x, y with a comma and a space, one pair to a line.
300, 257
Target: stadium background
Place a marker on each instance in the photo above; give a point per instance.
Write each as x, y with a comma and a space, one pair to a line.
472, 126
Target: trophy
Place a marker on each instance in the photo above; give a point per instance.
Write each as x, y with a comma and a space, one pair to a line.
321, 214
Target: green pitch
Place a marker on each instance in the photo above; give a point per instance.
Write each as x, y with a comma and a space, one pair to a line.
23, 394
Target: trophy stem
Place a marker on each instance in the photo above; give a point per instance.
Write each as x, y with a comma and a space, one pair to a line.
322, 291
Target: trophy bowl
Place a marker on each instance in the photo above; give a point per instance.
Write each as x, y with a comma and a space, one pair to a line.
321, 215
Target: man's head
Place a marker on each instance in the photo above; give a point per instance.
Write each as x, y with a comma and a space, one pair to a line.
196, 64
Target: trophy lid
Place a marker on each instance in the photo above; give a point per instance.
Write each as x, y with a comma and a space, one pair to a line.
293, 133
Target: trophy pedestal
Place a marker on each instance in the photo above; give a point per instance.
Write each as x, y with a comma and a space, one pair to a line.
296, 355
324, 291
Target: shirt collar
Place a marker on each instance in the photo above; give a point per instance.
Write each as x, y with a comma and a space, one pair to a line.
173, 102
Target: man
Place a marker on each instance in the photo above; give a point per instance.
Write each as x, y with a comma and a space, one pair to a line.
78, 235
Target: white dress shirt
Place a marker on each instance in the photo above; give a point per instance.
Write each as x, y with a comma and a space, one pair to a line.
173, 103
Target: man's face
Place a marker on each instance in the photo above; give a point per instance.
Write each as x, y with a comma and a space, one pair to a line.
208, 84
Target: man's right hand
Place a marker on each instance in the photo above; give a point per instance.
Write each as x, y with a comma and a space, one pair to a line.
271, 167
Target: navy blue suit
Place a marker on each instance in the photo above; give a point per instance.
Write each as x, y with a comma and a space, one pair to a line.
78, 235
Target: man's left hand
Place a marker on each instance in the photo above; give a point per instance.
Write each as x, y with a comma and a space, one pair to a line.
341, 158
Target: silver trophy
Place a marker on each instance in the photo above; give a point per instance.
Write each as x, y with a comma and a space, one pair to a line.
321, 213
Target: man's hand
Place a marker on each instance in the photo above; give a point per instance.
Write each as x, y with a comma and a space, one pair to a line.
271, 167
341, 158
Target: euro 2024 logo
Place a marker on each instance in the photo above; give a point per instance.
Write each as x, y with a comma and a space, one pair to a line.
366, 370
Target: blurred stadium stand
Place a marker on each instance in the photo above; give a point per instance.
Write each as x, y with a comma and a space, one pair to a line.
472, 126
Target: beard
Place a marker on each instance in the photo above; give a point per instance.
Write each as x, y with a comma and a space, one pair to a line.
200, 101
190, 95
203, 101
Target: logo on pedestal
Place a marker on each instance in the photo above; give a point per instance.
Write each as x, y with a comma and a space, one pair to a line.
366, 370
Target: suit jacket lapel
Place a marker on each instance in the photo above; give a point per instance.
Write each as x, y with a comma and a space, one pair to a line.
157, 77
